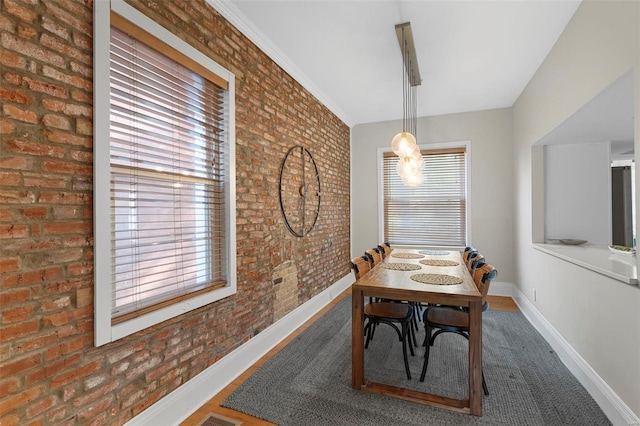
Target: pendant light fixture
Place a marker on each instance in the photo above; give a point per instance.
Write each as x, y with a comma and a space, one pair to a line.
404, 144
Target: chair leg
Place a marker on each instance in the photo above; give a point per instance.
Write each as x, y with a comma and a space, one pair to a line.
405, 342
427, 345
484, 385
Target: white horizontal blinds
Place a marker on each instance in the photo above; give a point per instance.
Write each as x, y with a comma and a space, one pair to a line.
433, 214
167, 177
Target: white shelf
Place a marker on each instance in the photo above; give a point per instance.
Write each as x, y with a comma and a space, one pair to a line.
597, 258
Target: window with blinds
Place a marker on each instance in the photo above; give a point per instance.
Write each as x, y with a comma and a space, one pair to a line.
433, 214
167, 179
164, 175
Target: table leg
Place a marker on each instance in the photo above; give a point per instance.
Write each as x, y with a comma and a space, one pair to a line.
475, 358
357, 341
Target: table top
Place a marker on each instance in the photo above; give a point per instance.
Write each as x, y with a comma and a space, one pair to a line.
382, 281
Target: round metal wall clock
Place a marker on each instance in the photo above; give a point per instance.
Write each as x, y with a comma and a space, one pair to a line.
299, 191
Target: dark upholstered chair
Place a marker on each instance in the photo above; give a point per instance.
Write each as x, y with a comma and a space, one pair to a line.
455, 320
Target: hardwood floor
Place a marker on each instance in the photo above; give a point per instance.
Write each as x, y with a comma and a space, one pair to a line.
213, 406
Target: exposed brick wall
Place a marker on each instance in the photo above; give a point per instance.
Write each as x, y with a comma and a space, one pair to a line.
50, 372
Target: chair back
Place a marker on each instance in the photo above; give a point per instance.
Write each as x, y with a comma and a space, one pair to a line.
474, 260
467, 252
482, 276
374, 255
472, 257
384, 249
360, 266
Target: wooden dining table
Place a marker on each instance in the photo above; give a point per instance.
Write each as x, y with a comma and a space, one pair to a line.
396, 282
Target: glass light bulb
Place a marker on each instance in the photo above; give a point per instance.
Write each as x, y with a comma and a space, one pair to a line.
403, 144
413, 179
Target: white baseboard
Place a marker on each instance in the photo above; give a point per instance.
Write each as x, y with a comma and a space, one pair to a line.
610, 403
185, 400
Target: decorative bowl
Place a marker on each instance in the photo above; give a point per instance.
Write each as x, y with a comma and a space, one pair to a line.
622, 250
572, 242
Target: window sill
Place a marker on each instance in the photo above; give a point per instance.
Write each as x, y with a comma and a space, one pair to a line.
597, 258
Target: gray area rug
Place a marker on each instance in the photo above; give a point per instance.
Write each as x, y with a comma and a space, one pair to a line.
309, 381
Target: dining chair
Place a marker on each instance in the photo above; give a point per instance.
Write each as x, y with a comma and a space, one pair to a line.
374, 256
392, 314
385, 312
385, 249
452, 320
467, 251
360, 265
473, 257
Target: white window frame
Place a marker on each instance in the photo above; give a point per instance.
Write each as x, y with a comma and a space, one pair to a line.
105, 331
427, 147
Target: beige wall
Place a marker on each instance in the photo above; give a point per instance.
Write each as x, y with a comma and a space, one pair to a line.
599, 317
489, 133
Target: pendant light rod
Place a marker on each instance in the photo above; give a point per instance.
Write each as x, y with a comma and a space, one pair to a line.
406, 45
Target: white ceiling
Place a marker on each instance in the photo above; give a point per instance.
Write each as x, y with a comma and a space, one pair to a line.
473, 55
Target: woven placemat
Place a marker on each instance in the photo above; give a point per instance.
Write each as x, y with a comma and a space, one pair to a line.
439, 262
437, 279
396, 266
407, 255
432, 252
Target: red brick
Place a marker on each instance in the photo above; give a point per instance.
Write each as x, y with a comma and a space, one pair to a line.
67, 167
50, 369
56, 121
31, 50
21, 399
68, 138
82, 97
10, 178
84, 127
15, 96
47, 88
12, 60
44, 181
34, 213
19, 330
17, 314
67, 228
16, 296
10, 420
75, 15
9, 264
79, 82
67, 108
20, 12
18, 197
59, 46
18, 366
26, 32
40, 406
20, 114
9, 386
33, 148
77, 374
83, 156
55, 28
5, 215
66, 317
13, 231
16, 163
42, 340
87, 398
6, 127
56, 415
